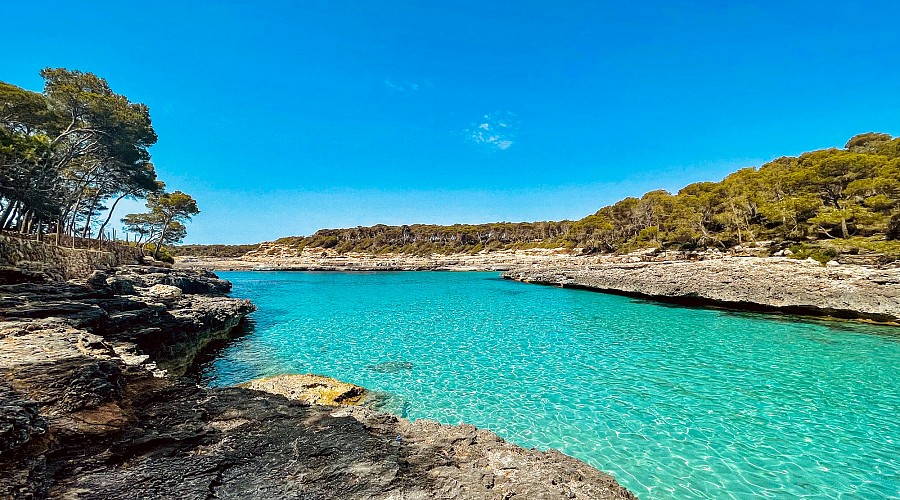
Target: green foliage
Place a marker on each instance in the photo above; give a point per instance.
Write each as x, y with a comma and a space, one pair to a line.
815, 252
819, 195
164, 223
425, 239
163, 254
889, 249
66, 151
211, 250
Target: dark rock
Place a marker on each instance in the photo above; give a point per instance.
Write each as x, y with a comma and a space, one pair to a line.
391, 367
91, 385
19, 420
231, 443
191, 282
14, 275
120, 286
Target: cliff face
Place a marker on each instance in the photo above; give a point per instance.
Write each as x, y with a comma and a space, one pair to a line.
74, 355
745, 282
90, 408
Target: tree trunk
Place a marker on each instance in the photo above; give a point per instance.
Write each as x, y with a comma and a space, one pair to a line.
7, 213
111, 210
162, 235
87, 222
23, 221
26, 222
74, 216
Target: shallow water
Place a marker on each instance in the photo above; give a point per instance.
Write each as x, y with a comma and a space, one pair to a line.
674, 402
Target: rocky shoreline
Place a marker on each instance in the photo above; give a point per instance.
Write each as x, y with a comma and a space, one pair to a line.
277, 258
853, 287
91, 406
775, 284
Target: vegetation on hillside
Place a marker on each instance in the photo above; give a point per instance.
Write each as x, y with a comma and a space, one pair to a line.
821, 195
841, 199
211, 250
67, 152
423, 239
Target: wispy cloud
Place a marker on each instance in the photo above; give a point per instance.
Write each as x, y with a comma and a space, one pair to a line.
401, 86
495, 130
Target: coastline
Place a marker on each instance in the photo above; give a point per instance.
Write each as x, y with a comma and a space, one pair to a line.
93, 406
277, 259
770, 284
713, 279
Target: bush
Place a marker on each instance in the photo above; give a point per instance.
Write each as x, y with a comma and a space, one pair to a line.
819, 254
164, 254
893, 229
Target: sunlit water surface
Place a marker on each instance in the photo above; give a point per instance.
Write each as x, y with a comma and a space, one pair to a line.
674, 402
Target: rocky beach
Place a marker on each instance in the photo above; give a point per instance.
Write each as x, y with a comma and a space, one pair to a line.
93, 405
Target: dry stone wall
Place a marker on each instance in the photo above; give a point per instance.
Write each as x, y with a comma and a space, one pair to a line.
60, 262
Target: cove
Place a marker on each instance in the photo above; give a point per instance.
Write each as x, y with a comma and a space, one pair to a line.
675, 402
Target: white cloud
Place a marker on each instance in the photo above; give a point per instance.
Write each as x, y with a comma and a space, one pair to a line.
495, 130
400, 86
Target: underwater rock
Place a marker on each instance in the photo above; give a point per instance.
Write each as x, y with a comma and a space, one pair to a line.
391, 367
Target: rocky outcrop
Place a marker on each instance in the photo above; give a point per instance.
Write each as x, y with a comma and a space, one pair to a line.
90, 409
310, 388
773, 284
233, 443
72, 354
125, 308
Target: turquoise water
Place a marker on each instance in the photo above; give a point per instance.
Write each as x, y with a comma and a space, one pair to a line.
674, 402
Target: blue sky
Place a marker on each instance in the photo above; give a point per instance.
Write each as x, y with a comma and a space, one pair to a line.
288, 117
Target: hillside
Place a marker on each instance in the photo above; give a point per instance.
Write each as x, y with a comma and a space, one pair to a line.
817, 204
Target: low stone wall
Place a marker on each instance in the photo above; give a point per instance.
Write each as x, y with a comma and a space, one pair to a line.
60, 262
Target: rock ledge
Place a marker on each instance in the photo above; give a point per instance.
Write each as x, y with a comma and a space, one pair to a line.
768, 284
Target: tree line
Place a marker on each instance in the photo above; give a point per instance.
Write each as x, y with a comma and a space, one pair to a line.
212, 250
71, 153
829, 194
424, 239
848, 195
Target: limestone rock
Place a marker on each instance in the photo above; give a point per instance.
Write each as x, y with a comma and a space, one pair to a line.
165, 292
120, 286
309, 388
771, 283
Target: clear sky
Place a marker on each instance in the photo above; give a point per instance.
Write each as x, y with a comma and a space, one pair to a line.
283, 118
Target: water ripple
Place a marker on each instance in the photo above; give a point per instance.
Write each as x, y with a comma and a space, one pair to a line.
674, 402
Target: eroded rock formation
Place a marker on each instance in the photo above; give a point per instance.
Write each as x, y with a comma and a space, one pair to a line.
91, 408
773, 283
